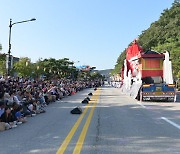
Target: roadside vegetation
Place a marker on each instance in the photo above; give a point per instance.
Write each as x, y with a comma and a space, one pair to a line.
162, 35
47, 68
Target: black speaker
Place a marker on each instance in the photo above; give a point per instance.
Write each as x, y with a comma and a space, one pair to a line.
90, 94
85, 101
88, 98
76, 110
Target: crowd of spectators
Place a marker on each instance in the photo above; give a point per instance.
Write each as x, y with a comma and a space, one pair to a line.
21, 98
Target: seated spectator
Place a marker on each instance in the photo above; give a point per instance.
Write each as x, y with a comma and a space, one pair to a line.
57, 93
29, 97
19, 116
10, 99
42, 99
14, 110
32, 109
2, 106
2, 91
8, 118
46, 97
19, 95
6, 96
16, 98
51, 94
2, 124
37, 107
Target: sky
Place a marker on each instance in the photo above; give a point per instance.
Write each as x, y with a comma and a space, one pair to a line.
88, 32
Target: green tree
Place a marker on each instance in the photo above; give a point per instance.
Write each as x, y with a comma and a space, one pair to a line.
53, 68
24, 67
2, 64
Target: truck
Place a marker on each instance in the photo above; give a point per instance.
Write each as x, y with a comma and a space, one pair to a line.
147, 75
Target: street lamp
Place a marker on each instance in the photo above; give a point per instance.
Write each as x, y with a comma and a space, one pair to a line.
9, 51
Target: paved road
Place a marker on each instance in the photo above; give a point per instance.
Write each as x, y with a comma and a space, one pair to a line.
111, 123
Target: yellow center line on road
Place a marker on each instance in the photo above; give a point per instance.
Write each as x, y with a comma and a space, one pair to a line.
73, 130
79, 144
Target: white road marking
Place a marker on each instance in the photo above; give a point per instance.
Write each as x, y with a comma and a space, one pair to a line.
141, 104
172, 123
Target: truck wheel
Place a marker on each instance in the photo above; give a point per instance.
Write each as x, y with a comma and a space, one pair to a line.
174, 99
141, 96
138, 97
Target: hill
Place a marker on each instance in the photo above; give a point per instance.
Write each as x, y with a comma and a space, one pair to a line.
106, 72
162, 35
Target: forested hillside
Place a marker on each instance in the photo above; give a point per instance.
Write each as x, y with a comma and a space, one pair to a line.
162, 35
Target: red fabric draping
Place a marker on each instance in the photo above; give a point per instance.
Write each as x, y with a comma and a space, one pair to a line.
133, 51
